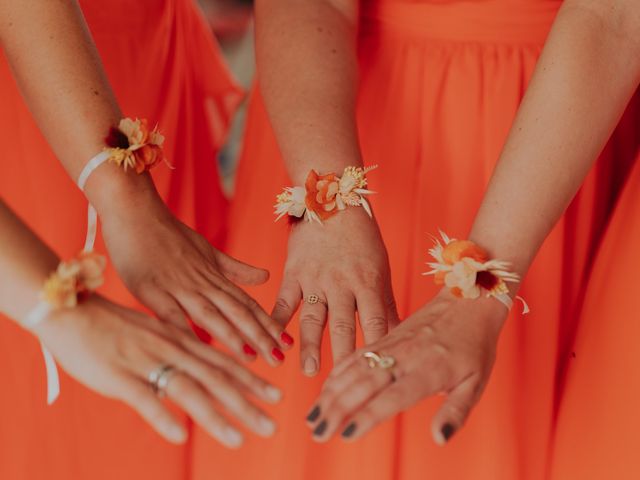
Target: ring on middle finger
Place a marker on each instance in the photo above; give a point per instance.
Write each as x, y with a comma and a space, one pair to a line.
313, 299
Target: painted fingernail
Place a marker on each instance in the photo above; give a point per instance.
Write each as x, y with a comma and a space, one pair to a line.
246, 348
447, 431
273, 393
286, 338
319, 430
313, 414
310, 366
277, 354
350, 430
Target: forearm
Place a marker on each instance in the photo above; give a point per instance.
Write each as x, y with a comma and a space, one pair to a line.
25, 264
587, 73
59, 72
307, 68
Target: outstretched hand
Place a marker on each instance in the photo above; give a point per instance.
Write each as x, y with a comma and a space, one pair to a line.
112, 350
447, 347
343, 264
176, 273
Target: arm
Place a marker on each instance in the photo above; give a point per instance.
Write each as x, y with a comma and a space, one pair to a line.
307, 67
166, 265
111, 350
588, 71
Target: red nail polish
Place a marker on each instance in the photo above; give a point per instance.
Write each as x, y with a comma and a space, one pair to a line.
248, 350
286, 338
277, 354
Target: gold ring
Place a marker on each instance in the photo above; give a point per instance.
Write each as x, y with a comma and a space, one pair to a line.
374, 360
313, 299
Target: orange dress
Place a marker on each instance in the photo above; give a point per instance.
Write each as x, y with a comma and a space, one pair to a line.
440, 85
598, 422
163, 65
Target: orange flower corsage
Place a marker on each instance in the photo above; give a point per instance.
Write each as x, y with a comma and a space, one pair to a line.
466, 269
134, 145
74, 278
325, 195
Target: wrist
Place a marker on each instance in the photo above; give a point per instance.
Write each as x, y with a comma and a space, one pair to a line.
491, 311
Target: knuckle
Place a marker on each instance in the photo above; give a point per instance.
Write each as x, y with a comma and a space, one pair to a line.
375, 324
343, 328
282, 304
311, 319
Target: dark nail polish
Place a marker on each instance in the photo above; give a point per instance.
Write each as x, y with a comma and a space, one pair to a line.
313, 414
286, 338
246, 348
320, 429
447, 431
350, 430
277, 354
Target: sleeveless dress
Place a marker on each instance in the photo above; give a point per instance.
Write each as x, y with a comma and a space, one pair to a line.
598, 422
440, 85
164, 66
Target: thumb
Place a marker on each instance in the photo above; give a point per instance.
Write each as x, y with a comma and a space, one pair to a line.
455, 410
240, 272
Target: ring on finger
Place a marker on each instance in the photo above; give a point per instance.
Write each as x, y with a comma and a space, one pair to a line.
159, 379
385, 362
313, 299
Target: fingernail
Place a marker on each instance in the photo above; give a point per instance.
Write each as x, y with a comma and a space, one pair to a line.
310, 366
350, 430
320, 429
232, 437
447, 431
266, 426
313, 414
177, 434
286, 338
277, 354
246, 348
273, 393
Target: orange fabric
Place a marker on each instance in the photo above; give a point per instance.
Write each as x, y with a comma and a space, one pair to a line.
440, 84
164, 66
598, 423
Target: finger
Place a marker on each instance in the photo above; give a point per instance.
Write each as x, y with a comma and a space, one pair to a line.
393, 319
139, 396
164, 306
342, 324
340, 406
391, 400
271, 326
207, 316
372, 313
240, 272
248, 325
250, 382
191, 397
455, 410
288, 300
313, 318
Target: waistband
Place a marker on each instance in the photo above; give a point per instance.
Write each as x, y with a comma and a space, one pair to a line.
491, 21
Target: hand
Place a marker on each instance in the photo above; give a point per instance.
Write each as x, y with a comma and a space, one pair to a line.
448, 346
177, 274
112, 350
344, 262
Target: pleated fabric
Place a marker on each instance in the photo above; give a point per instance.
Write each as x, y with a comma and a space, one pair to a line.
164, 66
598, 420
440, 85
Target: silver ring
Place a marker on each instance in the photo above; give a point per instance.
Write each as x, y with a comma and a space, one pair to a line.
313, 299
159, 379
